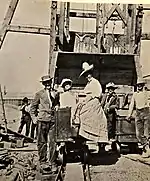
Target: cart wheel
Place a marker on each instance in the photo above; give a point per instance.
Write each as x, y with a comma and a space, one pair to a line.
85, 155
61, 157
115, 147
133, 147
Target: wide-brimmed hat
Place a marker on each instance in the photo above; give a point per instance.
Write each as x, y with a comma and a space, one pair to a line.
46, 78
86, 67
111, 85
140, 81
66, 80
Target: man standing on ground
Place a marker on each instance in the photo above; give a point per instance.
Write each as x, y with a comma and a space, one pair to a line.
140, 100
43, 105
25, 118
110, 104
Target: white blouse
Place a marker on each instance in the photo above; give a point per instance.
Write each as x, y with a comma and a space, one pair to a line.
93, 88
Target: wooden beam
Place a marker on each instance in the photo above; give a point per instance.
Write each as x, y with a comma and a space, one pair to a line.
145, 36
121, 14
67, 21
138, 66
7, 20
29, 29
138, 28
52, 34
133, 24
110, 12
100, 26
125, 14
86, 15
61, 21
46, 31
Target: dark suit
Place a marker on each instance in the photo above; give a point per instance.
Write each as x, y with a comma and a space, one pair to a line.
110, 103
43, 107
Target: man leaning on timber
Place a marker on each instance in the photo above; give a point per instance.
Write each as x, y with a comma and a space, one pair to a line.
140, 100
45, 102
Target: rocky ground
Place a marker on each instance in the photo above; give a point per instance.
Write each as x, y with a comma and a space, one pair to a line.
21, 163
114, 168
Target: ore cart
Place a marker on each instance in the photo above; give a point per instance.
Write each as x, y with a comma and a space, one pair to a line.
119, 68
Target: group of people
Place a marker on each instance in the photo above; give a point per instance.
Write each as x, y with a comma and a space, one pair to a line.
96, 113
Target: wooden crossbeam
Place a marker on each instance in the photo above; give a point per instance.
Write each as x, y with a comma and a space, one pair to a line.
145, 36
29, 29
46, 31
7, 20
86, 15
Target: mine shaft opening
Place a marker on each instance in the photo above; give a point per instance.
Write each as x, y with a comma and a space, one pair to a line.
118, 68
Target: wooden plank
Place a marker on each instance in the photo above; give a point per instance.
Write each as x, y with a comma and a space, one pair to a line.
7, 20
26, 138
29, 29
74, 172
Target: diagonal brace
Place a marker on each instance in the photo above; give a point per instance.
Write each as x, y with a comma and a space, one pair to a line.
7, 20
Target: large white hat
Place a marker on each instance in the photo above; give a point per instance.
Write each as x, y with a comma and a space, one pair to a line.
86, 67
66, 80
46, 78
140, 81
111, 84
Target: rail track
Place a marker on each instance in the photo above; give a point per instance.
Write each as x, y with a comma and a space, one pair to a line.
70, 172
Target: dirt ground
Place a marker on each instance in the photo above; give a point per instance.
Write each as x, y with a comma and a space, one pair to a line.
113, 168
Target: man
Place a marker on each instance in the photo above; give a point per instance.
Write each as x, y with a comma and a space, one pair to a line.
42, 113
25, 118
140, 100
110, 103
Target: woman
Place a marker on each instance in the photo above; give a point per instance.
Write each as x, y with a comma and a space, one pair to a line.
93, 123
67, 97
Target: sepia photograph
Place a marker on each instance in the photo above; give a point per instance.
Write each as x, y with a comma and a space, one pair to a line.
74, 90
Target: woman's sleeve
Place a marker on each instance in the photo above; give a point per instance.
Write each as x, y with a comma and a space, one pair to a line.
97, 89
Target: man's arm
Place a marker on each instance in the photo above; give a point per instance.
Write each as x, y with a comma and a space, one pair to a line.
131, 106
34, 108
115, 103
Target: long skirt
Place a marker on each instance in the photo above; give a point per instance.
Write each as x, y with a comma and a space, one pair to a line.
93, 122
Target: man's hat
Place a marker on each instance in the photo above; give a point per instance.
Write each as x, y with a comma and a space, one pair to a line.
46, 78
86, 67
25, 99
140, 81
111, 85
65, 81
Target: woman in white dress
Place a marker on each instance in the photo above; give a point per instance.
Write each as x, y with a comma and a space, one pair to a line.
93, 122
67, 97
